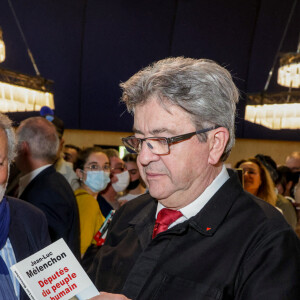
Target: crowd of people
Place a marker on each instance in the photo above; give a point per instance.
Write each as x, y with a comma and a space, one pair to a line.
175, 205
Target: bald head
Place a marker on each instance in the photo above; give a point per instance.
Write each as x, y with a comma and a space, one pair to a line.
293, 161
41, 138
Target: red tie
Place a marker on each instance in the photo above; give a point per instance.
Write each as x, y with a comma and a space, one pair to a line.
164, 218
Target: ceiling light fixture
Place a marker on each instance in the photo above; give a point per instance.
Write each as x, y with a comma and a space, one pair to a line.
279, 110
2, 47
20, 92
289, 70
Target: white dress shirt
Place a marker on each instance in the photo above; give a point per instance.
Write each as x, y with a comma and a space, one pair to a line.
66, 169
194, 207
8, 255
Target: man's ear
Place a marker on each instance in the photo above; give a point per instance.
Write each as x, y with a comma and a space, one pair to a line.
24, 148
217, 140
60, 146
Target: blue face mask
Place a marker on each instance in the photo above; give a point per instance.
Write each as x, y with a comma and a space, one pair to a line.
97, 180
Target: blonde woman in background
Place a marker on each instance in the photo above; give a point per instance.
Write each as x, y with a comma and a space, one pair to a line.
257, 180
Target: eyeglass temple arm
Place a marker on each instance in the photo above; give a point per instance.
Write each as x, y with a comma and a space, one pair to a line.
188, 135
180, 137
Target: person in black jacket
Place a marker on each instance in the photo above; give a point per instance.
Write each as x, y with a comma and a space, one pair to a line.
23, 228
197, 234
41, 185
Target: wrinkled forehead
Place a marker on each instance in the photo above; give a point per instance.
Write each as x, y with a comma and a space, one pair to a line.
164, 102
159, 114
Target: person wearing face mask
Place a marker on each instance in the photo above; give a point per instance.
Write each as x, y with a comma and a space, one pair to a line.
119, 177
93, 170
135, 187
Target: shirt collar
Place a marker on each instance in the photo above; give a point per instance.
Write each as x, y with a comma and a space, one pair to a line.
195, 207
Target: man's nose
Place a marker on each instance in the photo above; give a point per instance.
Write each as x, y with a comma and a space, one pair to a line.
146, 156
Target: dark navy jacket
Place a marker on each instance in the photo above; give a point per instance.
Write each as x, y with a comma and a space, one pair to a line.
51, 192
236, 247
28, 231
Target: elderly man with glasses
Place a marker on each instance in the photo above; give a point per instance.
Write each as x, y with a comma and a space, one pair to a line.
197, 234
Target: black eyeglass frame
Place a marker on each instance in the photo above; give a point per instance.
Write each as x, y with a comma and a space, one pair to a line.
170, 141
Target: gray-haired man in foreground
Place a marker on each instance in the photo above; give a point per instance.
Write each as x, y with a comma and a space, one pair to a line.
197, 234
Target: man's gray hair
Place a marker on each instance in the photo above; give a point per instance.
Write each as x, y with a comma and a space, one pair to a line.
41, 136
201, 87
6, 125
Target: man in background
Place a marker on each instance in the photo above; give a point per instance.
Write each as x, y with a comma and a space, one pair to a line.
293, 161
71, 153
23, 227
41, 185
61, 165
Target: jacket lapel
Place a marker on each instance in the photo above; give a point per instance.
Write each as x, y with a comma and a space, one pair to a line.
18, 234
48, 170
208, 220
144, 221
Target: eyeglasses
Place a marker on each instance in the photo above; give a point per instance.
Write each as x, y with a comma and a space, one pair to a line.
95, 167
118, 169
159, 145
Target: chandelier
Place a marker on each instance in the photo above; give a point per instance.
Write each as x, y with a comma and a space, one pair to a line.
2, 47
273, 111
279, 110
289, 70
20, 92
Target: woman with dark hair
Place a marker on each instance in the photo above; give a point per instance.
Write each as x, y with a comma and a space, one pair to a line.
136, 186
93, 170
257, 180
286, 182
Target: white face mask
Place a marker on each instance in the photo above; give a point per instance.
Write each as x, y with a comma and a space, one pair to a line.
97, 180
122, 183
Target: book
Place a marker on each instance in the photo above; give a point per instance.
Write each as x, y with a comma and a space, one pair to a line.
54, 273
